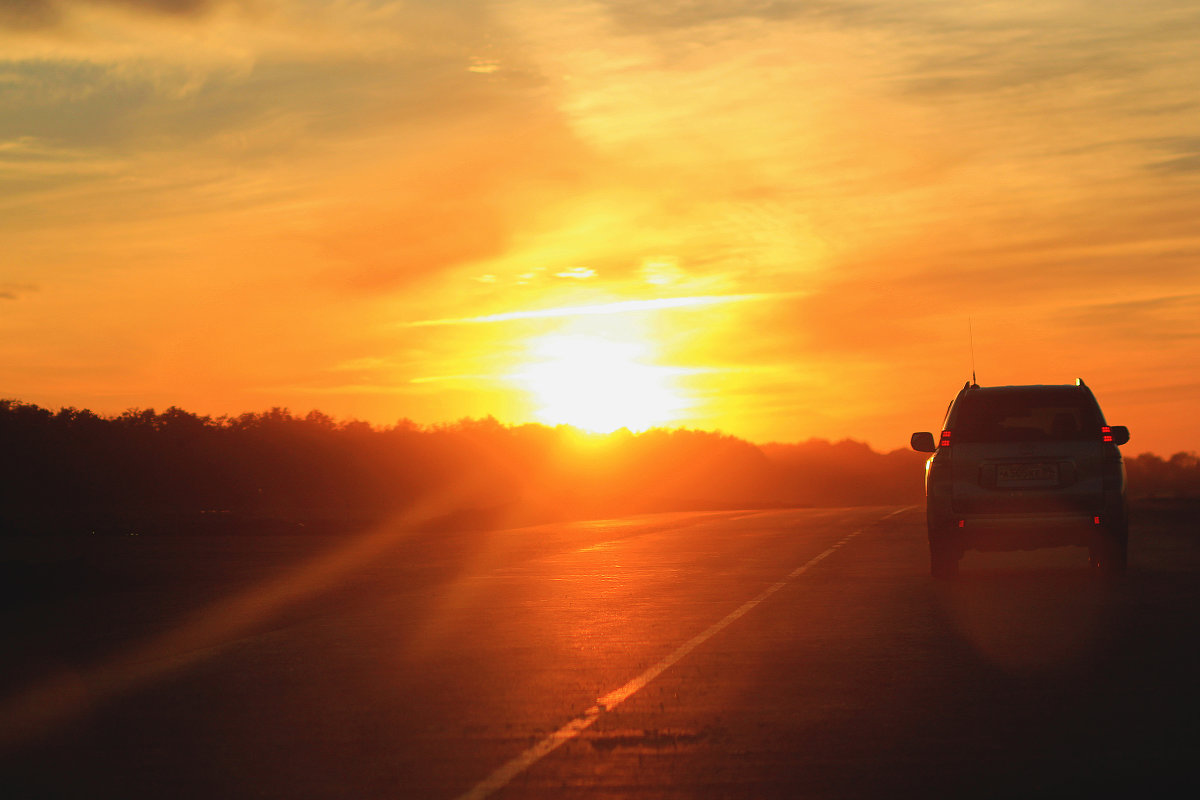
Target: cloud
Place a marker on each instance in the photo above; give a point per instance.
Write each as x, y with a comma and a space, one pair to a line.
44, 14
181, 7
460, 198
1184, 152
29, 14
14, 291
1149, 305
379, 247
168, 106
371, 130
619, 307
576, 273
637, 16
1157, 320
1183, 165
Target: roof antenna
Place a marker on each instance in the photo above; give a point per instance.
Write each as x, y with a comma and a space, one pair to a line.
971, 336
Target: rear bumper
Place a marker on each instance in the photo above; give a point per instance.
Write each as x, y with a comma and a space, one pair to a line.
1026, 531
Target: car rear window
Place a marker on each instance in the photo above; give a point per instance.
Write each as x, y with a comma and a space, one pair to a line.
1027, 415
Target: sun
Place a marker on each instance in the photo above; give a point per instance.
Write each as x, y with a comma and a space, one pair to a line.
599, 384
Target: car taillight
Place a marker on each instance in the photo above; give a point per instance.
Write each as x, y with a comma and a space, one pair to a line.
946, 439
1106, 434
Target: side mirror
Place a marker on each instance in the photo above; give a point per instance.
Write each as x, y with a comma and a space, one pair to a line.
923, 442
1120, 434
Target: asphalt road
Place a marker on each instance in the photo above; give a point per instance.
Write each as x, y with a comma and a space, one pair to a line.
800, 653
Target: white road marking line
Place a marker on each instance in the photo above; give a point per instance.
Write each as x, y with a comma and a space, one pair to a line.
501, 777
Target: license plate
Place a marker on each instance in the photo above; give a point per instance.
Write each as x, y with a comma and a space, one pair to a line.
1026, 473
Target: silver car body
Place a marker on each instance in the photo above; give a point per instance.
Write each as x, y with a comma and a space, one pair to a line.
1022, 467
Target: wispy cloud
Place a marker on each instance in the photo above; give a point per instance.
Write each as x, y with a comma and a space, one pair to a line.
1152, 321
43, 14
617, 307
576, 273
14, 291
465, 378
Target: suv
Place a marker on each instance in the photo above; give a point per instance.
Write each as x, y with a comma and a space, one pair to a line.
1023, 467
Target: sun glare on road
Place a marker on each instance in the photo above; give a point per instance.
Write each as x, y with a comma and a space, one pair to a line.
598, 384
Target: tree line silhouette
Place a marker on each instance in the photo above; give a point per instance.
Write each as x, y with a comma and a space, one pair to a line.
72, 470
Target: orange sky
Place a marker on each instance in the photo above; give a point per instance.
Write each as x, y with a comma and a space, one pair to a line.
769, 218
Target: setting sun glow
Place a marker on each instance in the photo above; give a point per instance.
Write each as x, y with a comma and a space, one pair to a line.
598, 384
